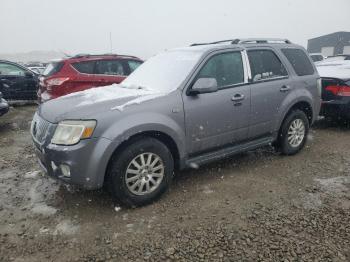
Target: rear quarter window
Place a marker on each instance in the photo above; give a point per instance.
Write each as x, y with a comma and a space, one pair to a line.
133, 64
53, 68
299, 61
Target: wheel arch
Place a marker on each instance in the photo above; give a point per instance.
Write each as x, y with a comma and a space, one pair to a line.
302, 105
166, 139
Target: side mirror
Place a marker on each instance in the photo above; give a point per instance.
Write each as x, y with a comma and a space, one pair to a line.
28, 74
204, 85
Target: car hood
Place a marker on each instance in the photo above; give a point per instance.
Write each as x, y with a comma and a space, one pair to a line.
335, 69
86, 104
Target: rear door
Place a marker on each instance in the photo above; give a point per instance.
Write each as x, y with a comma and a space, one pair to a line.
17, 83
270, 85
220, 118
111, 71
85, 78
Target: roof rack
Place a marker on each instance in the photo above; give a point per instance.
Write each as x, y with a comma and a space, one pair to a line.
96, 55
248, 41
261, 41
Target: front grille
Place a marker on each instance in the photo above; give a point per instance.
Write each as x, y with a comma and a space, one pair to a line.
39, 128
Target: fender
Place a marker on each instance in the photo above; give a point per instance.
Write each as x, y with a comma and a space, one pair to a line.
125, 128
303, 96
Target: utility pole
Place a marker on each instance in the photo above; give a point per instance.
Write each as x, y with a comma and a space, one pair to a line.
110, 42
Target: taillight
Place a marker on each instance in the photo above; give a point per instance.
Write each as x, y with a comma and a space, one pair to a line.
56, 82
339, 90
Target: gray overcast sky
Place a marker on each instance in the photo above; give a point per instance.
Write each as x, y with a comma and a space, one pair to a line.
143, 28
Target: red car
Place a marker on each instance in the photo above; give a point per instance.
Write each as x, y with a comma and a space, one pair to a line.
82, 72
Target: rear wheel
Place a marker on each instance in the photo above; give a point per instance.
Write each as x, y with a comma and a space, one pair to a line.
142, 172
293, 134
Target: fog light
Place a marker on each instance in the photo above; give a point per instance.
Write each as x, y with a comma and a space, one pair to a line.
65, 170
53, 165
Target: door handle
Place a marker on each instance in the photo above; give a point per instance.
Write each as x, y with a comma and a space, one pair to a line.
237, 98
285, 88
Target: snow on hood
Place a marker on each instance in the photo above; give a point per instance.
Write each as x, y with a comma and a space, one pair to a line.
334, 69
112, 92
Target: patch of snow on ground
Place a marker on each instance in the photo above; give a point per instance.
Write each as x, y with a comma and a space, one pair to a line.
38, 193
7, 174
66, 227
312, 201
335, 185
31, 174
207, 190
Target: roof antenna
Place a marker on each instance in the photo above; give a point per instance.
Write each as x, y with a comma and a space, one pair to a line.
110, 42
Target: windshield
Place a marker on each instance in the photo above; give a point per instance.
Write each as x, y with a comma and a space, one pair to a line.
163, 72
52, 68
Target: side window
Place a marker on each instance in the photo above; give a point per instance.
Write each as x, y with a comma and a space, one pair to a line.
226, 68
299, 61
265, 65
133, 64
110, 67
11, 70
85, 67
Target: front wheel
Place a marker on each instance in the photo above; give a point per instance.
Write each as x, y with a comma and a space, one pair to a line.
293, 134
142, 172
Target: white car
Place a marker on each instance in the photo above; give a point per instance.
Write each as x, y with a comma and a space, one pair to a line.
316, 57
335, 74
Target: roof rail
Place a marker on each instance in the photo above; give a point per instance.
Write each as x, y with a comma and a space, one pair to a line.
261, 41
247, 41
95, 55
213, 43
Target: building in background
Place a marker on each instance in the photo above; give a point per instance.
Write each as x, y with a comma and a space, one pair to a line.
329, 45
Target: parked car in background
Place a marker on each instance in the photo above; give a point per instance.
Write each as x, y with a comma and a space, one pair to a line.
37, 69
4, 106
182, 108
316, 57
82, 72
335, 75
17, 83
337, 58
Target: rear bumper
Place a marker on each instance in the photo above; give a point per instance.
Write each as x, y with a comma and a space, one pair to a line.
86, 161
4, 107
44, 96
336, 108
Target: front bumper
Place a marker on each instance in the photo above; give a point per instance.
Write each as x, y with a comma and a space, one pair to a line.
4, 107
87, 161
336, 108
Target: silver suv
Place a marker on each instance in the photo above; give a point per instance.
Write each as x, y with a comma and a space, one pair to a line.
182, 108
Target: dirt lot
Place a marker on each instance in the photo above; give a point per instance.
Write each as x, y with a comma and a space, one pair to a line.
256, 206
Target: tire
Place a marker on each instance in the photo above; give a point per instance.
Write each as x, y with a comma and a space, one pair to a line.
123, 163
289, 143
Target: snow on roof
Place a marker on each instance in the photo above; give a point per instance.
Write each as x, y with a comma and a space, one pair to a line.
334, 69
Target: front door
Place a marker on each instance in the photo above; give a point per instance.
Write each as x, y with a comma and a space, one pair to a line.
16, 83
220, 118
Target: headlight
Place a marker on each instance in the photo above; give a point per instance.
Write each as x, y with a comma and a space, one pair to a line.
70, 132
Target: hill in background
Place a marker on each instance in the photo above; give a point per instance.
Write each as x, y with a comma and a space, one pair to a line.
38, 56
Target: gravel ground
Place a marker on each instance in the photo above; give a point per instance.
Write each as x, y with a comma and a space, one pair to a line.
257, 206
